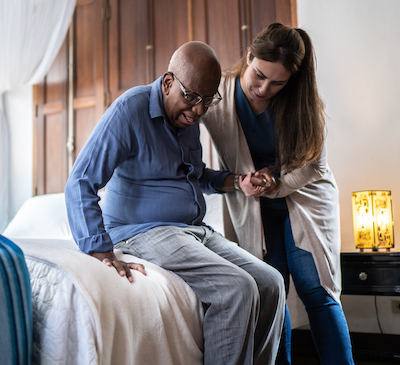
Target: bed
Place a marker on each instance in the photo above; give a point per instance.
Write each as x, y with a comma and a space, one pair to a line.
85, 313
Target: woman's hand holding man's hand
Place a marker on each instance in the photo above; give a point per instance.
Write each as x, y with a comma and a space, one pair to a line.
260, 183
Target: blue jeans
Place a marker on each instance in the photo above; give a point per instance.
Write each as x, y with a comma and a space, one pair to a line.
243, 297
327, 321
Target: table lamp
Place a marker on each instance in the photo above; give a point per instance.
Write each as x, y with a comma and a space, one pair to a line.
373, 220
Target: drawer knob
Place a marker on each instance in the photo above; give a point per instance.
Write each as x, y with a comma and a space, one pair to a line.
363, 276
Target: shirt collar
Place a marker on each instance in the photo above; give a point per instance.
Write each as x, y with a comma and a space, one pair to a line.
156, 108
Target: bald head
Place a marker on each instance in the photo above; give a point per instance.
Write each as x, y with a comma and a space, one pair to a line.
193, 69
195, 61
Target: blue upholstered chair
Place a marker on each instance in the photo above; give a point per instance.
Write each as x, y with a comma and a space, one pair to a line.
15, 306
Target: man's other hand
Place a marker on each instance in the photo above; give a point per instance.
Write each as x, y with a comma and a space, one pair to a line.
123, 268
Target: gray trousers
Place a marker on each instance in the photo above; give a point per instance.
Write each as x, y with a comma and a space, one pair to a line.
243, 297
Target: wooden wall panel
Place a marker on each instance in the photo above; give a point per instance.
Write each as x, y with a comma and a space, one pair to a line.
265, 12
286, 12
224, 30
55, 153
129, 45
82, 127
85, 42
197, 20
89, 92
170, 30
50, 153
38, 140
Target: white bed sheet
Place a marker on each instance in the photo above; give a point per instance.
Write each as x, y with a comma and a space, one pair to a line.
85, 313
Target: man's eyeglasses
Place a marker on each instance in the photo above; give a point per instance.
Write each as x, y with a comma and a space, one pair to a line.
192, 98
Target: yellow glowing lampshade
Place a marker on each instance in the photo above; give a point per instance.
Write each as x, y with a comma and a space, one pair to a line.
373, 219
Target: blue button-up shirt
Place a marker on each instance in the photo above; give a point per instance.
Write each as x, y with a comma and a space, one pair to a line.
154, 173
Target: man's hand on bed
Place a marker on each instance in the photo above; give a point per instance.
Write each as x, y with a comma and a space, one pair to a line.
123, 268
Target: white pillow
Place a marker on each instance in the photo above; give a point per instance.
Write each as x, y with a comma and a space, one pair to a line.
213, 215
43, 216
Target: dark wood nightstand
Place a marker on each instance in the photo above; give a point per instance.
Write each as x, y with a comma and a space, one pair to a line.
371, 273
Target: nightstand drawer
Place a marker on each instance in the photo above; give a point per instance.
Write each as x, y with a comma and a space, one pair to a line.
371, 273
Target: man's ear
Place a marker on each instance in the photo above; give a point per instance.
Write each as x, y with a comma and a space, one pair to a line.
167, 81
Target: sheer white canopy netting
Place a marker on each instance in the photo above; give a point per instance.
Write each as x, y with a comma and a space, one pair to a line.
31, 34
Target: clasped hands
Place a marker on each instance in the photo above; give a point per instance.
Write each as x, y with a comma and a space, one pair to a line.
260, 183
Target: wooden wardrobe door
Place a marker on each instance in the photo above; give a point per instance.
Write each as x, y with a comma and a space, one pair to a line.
229, 26
143, 34
170, 31
223, 29
264, 12
71, 99
50, 128
130, 45
89, 94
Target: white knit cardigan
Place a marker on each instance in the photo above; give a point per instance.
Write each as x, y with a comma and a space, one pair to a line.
311, 195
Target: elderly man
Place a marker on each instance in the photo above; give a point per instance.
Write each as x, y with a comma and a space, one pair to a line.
146, 149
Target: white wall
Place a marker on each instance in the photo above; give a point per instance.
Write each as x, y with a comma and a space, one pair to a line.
357, 49
18, 106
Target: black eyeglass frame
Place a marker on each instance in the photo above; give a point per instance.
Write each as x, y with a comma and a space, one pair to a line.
192, 98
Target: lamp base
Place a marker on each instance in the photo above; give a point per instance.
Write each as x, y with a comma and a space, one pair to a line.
375, 249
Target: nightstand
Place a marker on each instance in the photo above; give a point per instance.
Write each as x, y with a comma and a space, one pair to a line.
371, 273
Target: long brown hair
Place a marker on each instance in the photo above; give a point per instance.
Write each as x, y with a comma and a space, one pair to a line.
298, 108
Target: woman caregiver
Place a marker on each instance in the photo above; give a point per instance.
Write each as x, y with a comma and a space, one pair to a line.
271, 118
